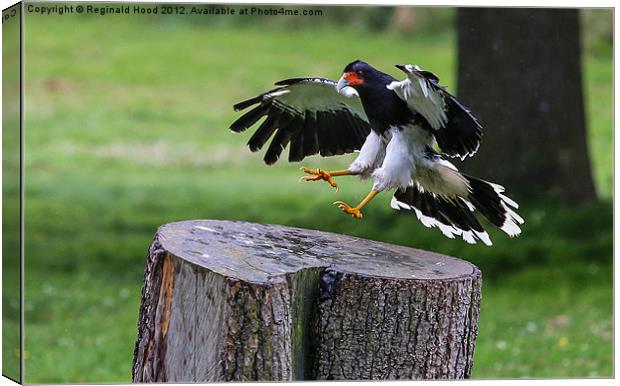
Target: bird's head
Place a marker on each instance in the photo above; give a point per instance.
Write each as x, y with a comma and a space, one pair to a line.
355, 74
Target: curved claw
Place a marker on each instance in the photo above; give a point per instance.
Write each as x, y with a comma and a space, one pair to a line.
346, 208
319, 174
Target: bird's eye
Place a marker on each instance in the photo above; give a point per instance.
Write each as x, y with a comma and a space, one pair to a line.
360, 73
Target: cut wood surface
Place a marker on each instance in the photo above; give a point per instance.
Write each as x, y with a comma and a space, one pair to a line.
230, 301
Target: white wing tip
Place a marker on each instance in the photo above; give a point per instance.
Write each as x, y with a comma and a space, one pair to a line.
349, 92
484, 237
394, 203
393, 85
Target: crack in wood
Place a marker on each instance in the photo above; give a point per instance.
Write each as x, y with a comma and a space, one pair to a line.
281, 308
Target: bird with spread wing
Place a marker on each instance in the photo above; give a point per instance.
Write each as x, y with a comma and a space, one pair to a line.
395, 126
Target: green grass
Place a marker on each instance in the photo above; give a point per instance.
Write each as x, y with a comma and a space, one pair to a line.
10, 199
126, 129
538, 323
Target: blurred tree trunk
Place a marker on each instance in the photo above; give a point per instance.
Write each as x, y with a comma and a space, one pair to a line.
520, 72
404, 19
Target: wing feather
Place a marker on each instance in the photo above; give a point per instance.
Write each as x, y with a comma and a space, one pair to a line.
264, 131
250, 118
456, 130
311, 135
308, 113
296, 152
281, 138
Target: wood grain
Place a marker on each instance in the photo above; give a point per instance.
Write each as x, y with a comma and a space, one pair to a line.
236, 301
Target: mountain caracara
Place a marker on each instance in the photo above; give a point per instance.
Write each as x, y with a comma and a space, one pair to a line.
395, 126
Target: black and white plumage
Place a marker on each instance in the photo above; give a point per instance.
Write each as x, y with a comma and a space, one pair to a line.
457, 136
395, 126
310, 114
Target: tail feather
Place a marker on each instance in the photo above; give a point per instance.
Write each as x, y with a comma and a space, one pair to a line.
495, 206
454, 215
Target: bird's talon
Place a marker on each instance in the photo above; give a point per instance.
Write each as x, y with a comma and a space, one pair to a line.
319, 174
354, 212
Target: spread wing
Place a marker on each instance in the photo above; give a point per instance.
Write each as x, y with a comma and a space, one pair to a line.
456, 130
310, 114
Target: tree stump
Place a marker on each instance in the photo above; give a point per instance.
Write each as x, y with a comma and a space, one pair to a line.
233, 301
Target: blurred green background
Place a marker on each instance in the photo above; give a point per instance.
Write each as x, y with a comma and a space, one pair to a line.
126, 121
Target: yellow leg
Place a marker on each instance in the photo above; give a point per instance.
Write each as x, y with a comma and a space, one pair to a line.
319, 174
337, 173
356, 212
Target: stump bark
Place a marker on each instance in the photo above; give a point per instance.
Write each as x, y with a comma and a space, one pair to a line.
233, 301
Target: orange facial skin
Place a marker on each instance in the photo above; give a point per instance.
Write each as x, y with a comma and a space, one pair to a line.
352, 78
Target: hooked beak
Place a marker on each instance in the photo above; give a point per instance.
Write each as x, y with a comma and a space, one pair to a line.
349, 79
342, 83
